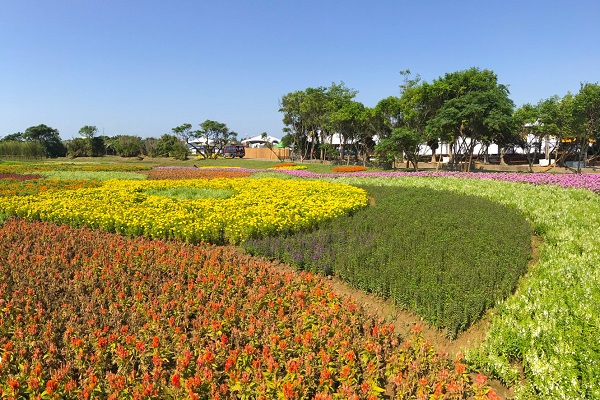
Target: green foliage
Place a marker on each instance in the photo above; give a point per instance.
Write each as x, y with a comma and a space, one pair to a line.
13, 137
215, 135
88, 131
19, 149
170, 146
311, 115
85, 147
77, 147
128, 146
448, 257
189, 193
48, 137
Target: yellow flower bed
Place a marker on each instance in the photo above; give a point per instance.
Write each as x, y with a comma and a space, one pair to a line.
258, 207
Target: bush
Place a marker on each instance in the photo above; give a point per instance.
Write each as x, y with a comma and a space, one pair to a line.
129, 146
18, 149
77, 147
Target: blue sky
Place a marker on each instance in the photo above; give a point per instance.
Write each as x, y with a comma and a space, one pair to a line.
144, 67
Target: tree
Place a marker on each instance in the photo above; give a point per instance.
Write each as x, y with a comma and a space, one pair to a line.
293, 119
170, 146
401, 142
470, 107
77, 147
13, 137
184, 132
215, 135
349, 121
48, 137
88, 131
308, 116
151, 147
402, 122
94, 145
587, 106
128, 146
529, 129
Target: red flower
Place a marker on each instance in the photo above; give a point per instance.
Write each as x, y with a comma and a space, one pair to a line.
175, 381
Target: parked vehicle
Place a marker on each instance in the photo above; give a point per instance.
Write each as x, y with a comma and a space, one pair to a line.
234, 151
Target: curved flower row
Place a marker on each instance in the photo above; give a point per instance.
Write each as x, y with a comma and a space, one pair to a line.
583, 181
258, 207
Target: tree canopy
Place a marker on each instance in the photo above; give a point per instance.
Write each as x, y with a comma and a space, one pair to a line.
48, 137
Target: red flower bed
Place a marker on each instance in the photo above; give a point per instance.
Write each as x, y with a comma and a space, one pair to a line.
194, 173
20, 177
87, 314
350, 168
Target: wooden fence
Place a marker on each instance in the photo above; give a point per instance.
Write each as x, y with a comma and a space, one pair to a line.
267, 154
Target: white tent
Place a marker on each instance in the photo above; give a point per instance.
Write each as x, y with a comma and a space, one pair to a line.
260, 141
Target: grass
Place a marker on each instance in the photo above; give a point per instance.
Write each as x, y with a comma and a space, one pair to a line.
192, 193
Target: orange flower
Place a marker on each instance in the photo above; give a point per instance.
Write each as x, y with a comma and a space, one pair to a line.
175, 380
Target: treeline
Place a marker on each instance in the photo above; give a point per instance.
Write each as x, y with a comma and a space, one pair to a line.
464, 110
43, 141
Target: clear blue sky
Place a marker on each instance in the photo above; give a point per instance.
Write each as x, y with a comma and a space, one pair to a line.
144, 67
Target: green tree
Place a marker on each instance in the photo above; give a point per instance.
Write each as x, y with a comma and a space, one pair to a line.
401, 142
48, 137
587, 106
170, 146
530, 132
184, 132
128, 145
151, 147
349, 121
215, 135
13, 137
308, 116
95, 145
88, 131
77, 147
470, 107
403, 121
293, 119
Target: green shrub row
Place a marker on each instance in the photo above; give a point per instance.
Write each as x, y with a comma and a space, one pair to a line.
446, 256
22, 150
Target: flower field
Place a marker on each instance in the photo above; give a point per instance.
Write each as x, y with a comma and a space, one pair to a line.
89, 314
85, 313
259, 207
547, 331
447, 267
